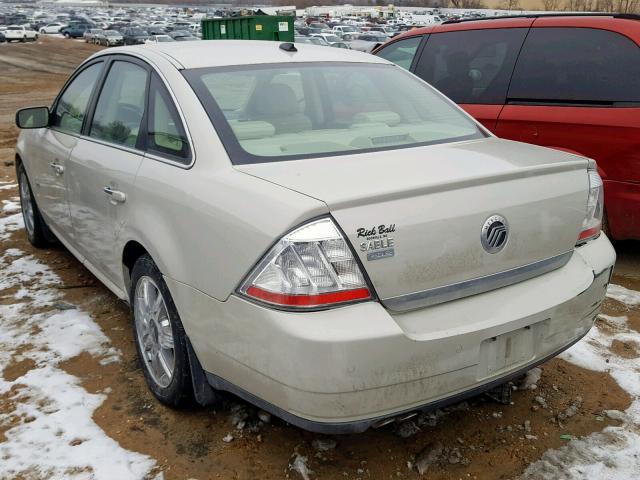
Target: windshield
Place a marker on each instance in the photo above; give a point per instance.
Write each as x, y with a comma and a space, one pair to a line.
288, 111
111, 33
331, 38
14, 28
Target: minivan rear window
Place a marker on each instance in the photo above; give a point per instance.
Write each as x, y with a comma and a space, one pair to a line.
278, 112
577, 65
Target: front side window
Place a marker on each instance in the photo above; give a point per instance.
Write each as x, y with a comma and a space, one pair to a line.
473, 66
120, 109
71, 108
288, 111
577, 65
401, 52
165, 133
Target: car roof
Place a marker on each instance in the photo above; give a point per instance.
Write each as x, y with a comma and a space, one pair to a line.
220, 53
626, 24
513, 21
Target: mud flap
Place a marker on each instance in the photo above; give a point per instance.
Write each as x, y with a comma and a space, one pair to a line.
203, 393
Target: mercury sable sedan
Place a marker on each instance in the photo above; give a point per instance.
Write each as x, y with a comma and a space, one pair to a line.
316, 230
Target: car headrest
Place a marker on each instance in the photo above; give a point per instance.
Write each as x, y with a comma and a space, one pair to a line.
251, 130
276, 99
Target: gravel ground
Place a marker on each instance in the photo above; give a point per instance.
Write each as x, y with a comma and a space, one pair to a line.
73, 403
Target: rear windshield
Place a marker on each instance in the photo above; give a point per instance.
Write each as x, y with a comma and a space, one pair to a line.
279, 112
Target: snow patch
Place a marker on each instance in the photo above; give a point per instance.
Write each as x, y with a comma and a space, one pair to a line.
10, 206
621, 294
52, 432
613, 453
530, 381
8, 186
10, 224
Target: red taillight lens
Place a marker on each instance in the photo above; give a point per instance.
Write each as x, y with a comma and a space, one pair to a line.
309, 300
310, 267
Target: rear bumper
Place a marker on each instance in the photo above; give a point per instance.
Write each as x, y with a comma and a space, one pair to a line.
622, 202
341, 370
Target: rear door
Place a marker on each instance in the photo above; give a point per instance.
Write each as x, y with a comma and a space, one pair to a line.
472, 67
103, 165
578, 89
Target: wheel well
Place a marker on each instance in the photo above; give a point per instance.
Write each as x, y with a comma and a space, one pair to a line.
131, 253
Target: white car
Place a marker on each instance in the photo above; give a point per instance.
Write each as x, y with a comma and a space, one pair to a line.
329, 38
159, 39
52, 28
313, 229
20, 33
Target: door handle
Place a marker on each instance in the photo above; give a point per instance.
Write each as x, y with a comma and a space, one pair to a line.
59, 169
116, 195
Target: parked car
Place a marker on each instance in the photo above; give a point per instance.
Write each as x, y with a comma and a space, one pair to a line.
365, 42
134, 36
199, 189
109, 38
51, 28
156, 30
182, 36
75, 30
90, 34
2, 38
19, 33
533, 79
312, 40
340, 30
159, 39
329, 38
340, 45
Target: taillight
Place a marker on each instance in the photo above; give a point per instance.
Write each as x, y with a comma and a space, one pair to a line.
309, 267
592, 223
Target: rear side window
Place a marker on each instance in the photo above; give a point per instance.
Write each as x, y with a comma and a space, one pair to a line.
472, 66
166, 135
577, 65
120, 108
72, 106
401, 52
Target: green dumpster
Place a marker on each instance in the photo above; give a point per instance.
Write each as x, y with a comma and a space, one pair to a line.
261, 27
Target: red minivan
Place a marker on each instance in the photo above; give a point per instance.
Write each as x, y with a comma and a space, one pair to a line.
570, 82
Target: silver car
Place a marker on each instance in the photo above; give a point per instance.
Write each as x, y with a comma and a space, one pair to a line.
316, 230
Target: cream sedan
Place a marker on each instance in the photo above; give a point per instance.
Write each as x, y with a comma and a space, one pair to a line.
315, 230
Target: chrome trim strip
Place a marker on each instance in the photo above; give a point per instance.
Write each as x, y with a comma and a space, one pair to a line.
475, 286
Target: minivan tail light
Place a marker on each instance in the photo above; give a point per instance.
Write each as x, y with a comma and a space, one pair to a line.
310, 267
592, 223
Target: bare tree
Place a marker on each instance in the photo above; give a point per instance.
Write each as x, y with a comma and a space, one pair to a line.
467, 4
551, 5
626, 6
511, 5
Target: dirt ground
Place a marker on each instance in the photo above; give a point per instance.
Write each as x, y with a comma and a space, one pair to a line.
479, 439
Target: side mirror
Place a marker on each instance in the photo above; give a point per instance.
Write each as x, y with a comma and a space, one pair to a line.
33, 117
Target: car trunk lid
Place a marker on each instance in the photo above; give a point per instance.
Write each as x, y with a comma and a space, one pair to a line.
415, 216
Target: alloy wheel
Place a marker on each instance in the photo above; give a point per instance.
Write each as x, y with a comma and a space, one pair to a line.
153, 331
26, 200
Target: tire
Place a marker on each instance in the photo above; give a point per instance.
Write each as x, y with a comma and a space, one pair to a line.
24, 39
170, 384
38, 233
67, 36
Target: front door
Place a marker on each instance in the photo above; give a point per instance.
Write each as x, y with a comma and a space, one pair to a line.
103, 166
50, 151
